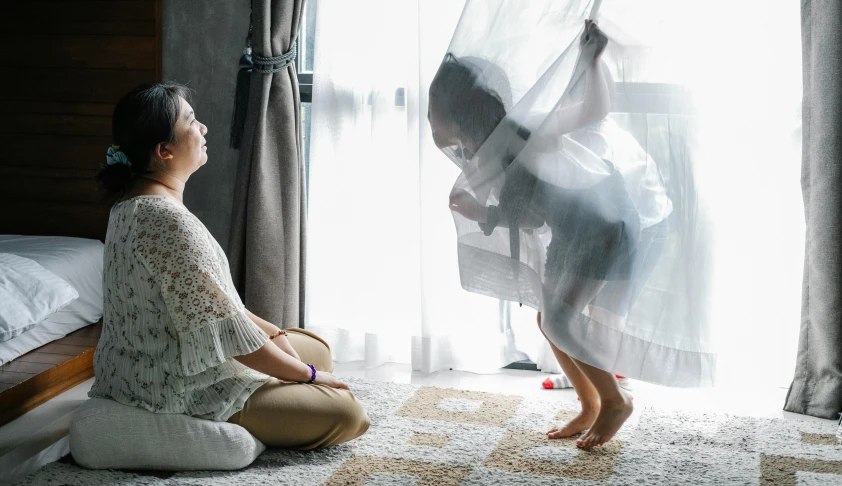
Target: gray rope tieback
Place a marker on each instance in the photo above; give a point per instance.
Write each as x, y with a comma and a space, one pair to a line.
280, 63
250, 63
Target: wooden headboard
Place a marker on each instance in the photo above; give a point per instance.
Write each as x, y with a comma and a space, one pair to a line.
63, 66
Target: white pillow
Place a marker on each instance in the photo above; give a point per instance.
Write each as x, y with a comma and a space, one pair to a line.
29, 293
105, 434
78, 261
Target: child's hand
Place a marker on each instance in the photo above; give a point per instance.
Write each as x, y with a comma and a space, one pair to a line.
593, 40
467, 205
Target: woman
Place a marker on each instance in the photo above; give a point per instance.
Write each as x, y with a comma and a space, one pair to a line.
176, 338
603, 240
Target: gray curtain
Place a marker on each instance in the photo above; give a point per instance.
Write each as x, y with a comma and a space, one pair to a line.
266, 249
817, 386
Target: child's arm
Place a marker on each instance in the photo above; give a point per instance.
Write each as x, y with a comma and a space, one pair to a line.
595, 102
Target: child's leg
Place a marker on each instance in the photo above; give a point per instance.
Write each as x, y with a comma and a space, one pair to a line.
615, 406
586, 391
565, 299
566, 303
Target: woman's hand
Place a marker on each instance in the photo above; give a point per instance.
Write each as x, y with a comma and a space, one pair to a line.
281, 341
327, 379
467, 205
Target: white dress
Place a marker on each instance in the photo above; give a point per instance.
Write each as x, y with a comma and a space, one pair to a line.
172, 320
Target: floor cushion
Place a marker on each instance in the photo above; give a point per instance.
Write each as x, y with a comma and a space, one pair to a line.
105, 434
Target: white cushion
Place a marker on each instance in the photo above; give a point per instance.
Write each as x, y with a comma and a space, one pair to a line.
29, 293
105, 434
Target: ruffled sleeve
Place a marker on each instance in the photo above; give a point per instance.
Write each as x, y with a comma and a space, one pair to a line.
211, 323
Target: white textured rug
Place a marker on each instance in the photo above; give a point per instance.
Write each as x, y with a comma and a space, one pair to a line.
441, 436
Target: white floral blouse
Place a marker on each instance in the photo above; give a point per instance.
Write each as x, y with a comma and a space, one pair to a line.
172, 321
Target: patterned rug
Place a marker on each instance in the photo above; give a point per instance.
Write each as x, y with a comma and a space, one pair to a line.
441, 436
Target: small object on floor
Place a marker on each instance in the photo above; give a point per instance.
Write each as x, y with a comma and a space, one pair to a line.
561, 381
557, 382
624, 382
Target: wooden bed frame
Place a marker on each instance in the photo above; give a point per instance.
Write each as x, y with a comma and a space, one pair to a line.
56, 126
43, 373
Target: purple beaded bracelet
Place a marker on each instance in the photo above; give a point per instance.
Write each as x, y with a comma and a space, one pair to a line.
313, 373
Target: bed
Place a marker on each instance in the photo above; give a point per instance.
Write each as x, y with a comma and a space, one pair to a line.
56, 128
56, 353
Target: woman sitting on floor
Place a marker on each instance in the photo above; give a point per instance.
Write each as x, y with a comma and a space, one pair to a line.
176, 338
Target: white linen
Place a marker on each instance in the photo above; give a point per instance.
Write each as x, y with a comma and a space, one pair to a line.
42, 333
78, 261
28, 294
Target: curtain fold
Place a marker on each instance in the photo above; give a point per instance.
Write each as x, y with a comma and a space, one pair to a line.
268, 228
817, 386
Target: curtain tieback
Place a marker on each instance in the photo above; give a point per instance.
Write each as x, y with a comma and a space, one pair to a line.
250, 63
266, 65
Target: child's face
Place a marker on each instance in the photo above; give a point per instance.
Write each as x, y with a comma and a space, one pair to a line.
444, 134
448, 137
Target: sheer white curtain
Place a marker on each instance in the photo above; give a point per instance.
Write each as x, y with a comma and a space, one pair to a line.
383, 281
388, 292
740, 63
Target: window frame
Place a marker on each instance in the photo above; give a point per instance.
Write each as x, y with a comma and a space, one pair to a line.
305, 77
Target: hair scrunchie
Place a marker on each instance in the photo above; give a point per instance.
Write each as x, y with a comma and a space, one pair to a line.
115, 156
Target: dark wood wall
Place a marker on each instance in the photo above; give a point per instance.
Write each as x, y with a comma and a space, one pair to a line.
63, 66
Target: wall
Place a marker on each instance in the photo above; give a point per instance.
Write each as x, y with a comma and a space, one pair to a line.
202, 44
63, 66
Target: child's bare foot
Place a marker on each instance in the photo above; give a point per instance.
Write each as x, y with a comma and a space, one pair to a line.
579, 423
612, 416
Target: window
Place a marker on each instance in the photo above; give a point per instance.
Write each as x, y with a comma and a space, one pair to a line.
304, 65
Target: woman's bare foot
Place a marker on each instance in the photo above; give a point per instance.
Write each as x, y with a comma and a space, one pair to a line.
612, 416
579, 423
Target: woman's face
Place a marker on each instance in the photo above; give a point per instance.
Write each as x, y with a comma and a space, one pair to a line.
189, 151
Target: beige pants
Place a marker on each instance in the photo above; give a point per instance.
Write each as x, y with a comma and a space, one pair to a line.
301, 416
